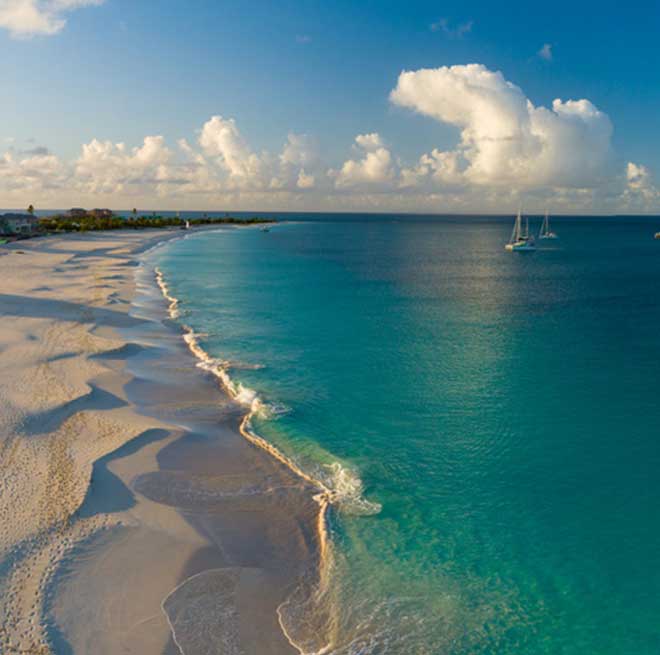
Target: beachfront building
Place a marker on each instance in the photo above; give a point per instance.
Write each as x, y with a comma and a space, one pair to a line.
79, 212
18, 224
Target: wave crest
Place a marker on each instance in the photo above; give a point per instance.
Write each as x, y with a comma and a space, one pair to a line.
347, 491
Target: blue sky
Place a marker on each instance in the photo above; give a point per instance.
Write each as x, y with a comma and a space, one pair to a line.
118, 71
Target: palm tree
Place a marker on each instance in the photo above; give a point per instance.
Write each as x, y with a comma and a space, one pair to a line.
31, 210
134, 213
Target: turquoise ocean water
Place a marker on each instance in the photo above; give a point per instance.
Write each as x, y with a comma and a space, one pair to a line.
490, 420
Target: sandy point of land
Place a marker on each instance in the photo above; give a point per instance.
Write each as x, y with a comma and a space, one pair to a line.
134, 517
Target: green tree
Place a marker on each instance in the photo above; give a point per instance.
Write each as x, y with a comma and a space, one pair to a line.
31, 210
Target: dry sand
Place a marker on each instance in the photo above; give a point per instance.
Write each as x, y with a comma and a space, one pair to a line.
134, 518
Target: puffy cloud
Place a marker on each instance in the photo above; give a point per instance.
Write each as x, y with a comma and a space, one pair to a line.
505, 140
369, 142
641, 193
26, 176
300, 150
507, 150
221, 139
223, 149
106, 168
374, 167
25, 18
221, 163
305, 181
638, 176
439, 167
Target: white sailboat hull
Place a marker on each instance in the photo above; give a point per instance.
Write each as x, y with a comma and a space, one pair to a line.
545, 232
520, 247
520, 241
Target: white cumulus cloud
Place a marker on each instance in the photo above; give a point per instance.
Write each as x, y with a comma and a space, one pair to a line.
641, 192
26, 18
638, 176
106, 168
507, 150
305, 181
221, 139
505, 139
300, 150
31, 172
227, 159
373, 167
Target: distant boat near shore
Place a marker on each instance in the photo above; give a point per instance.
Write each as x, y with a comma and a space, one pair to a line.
521, 240
546, 232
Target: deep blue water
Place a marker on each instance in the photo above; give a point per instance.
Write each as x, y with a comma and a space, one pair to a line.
500, 409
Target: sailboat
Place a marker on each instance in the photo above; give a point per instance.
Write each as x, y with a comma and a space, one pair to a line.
521, 241
545, 232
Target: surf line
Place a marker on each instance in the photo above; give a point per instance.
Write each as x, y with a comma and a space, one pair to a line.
325, 496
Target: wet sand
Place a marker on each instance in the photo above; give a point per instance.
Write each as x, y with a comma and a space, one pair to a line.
134, 516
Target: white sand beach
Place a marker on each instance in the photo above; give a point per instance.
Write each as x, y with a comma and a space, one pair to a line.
92, 561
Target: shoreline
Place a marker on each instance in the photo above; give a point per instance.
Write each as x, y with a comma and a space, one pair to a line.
68, 575
323, 497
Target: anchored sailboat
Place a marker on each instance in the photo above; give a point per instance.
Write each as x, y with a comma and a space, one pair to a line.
521, 240
546, 232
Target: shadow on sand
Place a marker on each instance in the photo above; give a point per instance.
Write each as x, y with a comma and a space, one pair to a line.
62, 310
107, 494
52, 419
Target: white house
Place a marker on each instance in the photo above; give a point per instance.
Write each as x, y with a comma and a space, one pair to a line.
18, 224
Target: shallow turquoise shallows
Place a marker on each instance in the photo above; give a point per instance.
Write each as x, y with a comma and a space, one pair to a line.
499, 409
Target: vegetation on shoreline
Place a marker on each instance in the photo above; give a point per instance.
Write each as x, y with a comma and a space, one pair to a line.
65, 223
